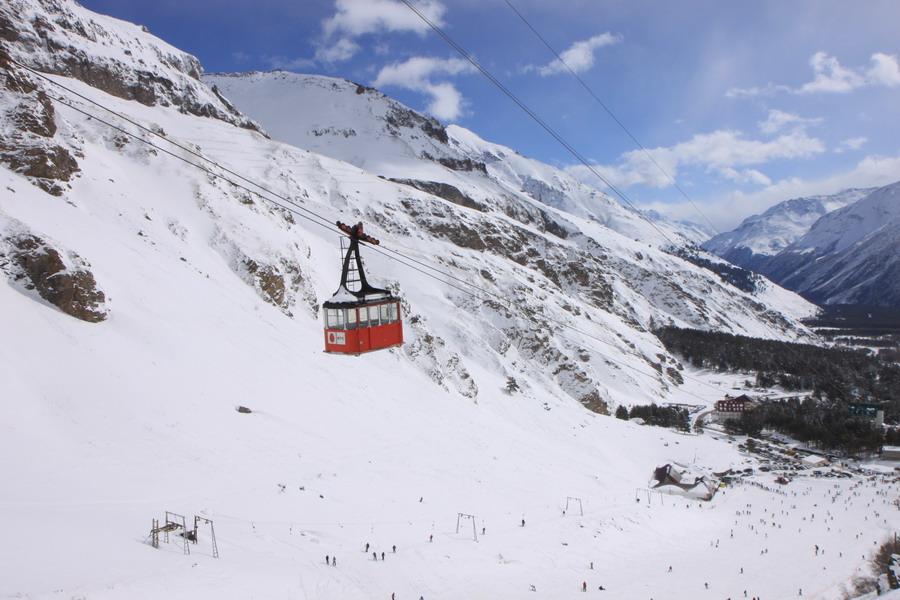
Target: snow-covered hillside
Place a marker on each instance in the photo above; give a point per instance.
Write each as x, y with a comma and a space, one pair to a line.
850, 256
151, 293
760, 237
366, 128
360, 125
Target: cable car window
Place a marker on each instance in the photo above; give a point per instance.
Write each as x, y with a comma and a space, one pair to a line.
373, 316
351, 318
395, 312
363, 316
334, 318
385, 310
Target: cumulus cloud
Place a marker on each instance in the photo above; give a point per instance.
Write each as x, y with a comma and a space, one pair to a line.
726, 153
580, 56
830, 76
885, 71
417, 74
355, 18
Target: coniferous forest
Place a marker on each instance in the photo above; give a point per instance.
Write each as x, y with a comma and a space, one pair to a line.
661, 416
835, 376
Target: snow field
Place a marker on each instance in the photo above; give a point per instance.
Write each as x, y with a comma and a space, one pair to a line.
109, 425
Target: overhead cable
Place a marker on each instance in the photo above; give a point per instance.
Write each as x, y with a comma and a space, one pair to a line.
291, 206
610, 113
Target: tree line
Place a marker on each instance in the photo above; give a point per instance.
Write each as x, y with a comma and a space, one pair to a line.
835, 376
661, 416
829, 427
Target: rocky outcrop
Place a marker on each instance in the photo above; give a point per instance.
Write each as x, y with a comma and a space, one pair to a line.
277, 283
60, 277
443, 190
399, 117
120, 59
27, 144
431, 354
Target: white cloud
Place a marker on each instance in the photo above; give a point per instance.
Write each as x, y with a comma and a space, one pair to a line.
722, 152
779, 120
770, 89
747, 176
337, 51
446, 101
885, 71
580, 56
830, 76
289, 64
851, 144
728, 211
416, 74
355, 18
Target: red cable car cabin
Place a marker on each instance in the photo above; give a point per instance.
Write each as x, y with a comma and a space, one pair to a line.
360, 318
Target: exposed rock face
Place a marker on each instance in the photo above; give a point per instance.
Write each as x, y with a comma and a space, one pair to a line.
400, 117
27, 142
430, 352
121, 59
39, 266
443, 190
278, 284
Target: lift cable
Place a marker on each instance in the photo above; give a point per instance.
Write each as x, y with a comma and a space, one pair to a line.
480, 293
610, 113
578, 156
321, 220
164, 137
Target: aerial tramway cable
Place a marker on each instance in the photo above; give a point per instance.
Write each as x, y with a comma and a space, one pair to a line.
317, 219
537, 119
610, 113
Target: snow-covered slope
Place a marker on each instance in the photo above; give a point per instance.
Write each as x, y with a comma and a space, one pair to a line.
760, 237
120, 58
850, 256
148, 298
362, 126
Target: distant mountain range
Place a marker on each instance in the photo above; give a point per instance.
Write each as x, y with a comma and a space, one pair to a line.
837, 249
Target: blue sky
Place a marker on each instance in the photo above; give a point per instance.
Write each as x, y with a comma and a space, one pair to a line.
743, 104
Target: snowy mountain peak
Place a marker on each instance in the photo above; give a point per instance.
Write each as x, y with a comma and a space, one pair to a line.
849, 256
874, 210
372, 131
762, 236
